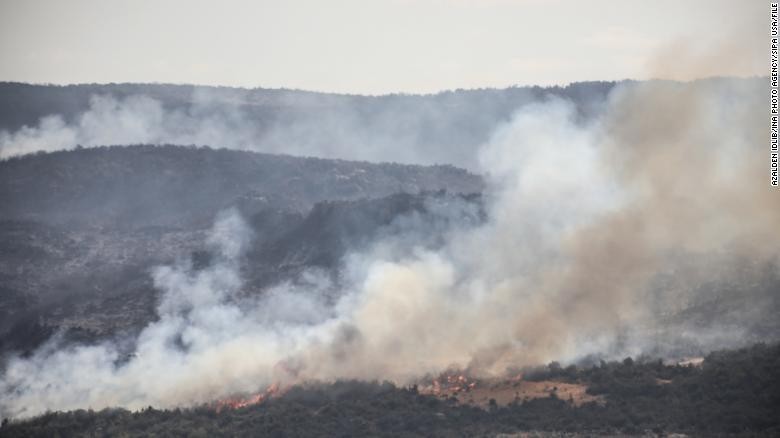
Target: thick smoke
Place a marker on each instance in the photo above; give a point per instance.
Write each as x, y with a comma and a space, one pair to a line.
596, 230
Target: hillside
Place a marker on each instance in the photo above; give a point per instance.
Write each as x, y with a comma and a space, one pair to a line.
443, 128
173, 186
200, 274
81, 229
732, 393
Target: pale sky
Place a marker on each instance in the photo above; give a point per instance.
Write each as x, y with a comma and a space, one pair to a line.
379, 46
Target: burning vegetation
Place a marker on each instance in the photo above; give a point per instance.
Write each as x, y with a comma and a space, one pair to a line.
455, 386
242, 401
448, 383
732, 393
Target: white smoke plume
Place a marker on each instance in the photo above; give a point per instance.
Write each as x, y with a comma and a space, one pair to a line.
443, 129
584, 218
136, 119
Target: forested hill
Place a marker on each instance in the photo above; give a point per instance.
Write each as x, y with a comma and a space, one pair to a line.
23, 104
185, 186
443, 128
80, 229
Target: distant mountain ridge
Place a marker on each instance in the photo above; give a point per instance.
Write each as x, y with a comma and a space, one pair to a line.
443, 128
23, 104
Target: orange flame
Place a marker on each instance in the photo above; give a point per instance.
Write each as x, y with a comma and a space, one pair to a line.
238, 402
449, 383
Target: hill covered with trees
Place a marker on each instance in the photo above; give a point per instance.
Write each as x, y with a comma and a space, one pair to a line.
80, 229
443, 128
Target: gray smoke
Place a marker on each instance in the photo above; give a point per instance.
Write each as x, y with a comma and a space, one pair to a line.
136, 119
380, 129
596, 230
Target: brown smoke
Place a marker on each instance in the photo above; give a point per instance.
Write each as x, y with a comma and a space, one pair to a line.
735, 47
691, 161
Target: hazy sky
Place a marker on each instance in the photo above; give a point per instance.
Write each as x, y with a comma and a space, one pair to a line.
379, 46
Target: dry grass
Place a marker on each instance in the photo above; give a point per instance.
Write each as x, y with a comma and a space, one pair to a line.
508, 390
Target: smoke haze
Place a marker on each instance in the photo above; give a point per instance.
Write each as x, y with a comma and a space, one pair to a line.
446, 128
596, 229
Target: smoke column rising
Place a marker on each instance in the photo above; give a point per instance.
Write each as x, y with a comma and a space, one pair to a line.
583, 219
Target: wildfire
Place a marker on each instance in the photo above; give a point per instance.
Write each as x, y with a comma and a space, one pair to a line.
238, 402
285, 371
449, 383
